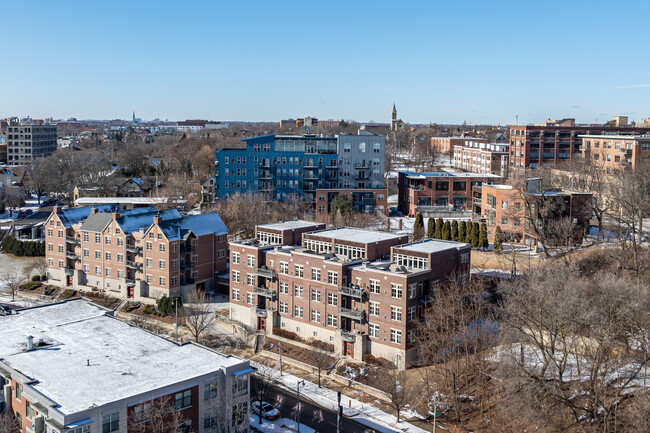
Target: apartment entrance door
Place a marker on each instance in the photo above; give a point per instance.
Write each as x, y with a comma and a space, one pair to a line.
261, 323
68, 280
348, 349
131, 292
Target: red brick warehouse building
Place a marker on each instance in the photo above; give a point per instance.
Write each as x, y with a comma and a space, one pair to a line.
361, 291
438, 189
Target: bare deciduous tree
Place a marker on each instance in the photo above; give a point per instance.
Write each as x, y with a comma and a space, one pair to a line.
395, 384
321, 360
12, 280
158, 415
263, 379
8, 424
198, 314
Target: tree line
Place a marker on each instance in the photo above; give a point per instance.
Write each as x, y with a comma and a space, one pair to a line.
466, 231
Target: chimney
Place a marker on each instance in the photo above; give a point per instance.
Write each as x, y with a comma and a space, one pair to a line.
30, 343
93, 210
115, 215
57, 209
400, 225
157, 219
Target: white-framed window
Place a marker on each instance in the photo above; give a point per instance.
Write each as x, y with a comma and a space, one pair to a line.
149, 263
250, 298
120, 273
284, 288
297, 291
298, 311
332, 277
98, 254
284, 308
149, 279
411, 313
396, 313
162, 281
315, 274
174, 281
235, 257
315, 316
332, 320
250, 279
149, 245
235, 294
98, 270
250, 260
396, 291
299, 270
162, 264
413, 290
315, 295
373, 286
235, 276
373, 330
332, 299
120, 258
373, 308
410, 336
395, 336
284, 268
161, 248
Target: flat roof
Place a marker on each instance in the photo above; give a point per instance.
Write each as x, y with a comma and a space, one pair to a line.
432, 246
124, 360
119, 200
498, 186
424, 175
355, 235
617, 136
290, 225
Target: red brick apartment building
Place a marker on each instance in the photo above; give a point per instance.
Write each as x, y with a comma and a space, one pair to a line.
504, 206
140, 254
362, 291
556, 141
478, 157
363, 200
71, 367
615, 152
446, 145
438, 189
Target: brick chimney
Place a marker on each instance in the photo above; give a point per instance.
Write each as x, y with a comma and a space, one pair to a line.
157, 220
115, 215
93, 210
57, 209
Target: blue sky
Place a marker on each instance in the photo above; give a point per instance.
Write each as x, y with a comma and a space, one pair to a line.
440, 61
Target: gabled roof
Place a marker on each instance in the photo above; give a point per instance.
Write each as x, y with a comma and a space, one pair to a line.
196, 224
96, 222
133, 221
77, 214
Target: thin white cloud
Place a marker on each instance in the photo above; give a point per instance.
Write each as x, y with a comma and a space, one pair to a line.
632, 86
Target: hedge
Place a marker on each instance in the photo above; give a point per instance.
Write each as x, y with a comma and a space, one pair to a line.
11, 245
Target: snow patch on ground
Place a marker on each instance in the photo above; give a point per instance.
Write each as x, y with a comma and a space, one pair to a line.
279, 425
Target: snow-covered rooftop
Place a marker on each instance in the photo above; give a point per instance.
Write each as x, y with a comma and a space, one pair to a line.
450, 173
432, 246
289, 225
93, 359
122, 200
355, 235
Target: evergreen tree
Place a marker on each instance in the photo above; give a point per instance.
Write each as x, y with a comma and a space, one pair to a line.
454, 231
431, 227
483, 238
475, 235
438, 232
341, 206
418, 227
446, 231
498, 240
462, 232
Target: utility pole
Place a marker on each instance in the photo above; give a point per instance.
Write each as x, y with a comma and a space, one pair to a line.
298, 412
338, 412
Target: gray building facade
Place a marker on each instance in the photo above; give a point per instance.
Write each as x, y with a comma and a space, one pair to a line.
361, 160
27, 141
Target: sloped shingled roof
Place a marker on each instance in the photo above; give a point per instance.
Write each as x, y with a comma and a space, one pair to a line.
197, 224
77, 214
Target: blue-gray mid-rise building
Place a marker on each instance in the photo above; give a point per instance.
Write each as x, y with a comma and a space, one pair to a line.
292, 168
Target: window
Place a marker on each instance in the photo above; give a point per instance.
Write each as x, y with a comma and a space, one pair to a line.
235, 294
141, 412
183, 399
161, 248
332, 320
98, 270
111, 422
250, 260
298, 312
235, 257
284, 288
149, 279
284, 308
299, 270
284, 267
149, 263
149, 246
235, 276
98, 254
108, 240
395, 336
315, 316
315, 295
464, 258
108, 256
373, 330
250, 279
396, 290
85, 236
19, 391
315, 274
174, 281
82, 429
162, 264
108, 272
98, 238
298, 292
162, 281
373, 286
332, 277
395, 313
332, 299
411, 313
61, 248
413, 288
250, 298
120, 241
374, 309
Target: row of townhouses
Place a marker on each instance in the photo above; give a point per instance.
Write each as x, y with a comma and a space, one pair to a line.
72, 367
362, 291
140, 254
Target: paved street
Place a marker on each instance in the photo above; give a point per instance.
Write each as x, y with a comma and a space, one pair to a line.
311, 415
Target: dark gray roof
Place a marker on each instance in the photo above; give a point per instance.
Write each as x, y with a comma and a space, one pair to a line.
96, 222
77, 214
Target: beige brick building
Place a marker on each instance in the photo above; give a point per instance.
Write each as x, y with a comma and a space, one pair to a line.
362, 291
140, 254
479, 157
615, 151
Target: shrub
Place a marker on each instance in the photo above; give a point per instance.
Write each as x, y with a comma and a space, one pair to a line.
149, 309
322, 345
49, 290
13, 246
68, 293
30, 285
166, 305
369, 358
130, 306
286, 334
43, 277
36, 278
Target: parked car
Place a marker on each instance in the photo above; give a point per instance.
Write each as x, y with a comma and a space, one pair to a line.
4, 310
21, 214
268, 411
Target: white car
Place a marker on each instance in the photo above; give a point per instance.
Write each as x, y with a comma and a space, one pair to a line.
268, 411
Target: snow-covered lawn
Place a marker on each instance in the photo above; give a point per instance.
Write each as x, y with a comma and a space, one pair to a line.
279, 425
363, 413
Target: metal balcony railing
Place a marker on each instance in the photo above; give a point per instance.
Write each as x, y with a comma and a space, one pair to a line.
72, 240
348, 336
354, 292
264, 272
352, 314
264, 291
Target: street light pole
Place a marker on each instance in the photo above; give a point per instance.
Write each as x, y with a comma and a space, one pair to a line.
176, 318
280, 348
298, 414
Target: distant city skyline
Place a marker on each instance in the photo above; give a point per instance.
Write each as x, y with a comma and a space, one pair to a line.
473, 61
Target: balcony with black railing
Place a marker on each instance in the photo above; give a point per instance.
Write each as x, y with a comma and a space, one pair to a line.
265, 272
264, 291
354, 292
352, 314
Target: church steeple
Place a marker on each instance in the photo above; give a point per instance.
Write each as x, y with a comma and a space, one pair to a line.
394, 112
